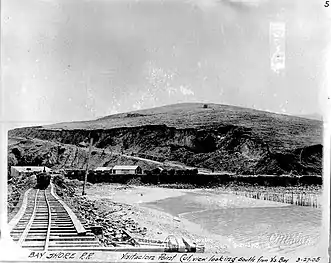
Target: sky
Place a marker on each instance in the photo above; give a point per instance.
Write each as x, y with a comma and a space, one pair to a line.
70, 60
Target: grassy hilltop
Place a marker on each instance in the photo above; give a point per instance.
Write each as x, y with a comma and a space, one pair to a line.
225, 138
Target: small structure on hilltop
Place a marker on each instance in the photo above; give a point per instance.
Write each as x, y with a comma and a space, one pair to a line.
19, 170
127, 169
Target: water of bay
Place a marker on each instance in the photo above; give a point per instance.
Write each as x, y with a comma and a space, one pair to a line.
247, 222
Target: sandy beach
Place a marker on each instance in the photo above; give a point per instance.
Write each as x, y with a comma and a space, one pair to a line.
132, 194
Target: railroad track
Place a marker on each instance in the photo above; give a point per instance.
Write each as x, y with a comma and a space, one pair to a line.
46, 223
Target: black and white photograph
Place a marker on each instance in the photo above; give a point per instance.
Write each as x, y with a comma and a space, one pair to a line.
165, 130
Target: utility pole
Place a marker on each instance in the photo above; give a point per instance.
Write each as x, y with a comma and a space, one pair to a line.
87, 166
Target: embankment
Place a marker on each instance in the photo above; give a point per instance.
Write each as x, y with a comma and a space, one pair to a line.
191, 177
15, 192
110, 222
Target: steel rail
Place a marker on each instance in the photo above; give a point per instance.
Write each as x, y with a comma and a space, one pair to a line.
76, 222
27, 228
49, 222
14, 221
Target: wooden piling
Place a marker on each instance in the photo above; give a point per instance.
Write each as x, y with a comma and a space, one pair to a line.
288, 197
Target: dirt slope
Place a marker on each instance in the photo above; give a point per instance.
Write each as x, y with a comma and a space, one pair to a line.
221, 137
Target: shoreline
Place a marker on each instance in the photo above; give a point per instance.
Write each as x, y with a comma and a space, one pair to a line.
161, 223
135, 206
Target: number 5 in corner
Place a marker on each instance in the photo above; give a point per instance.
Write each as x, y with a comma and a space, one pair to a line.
327, 3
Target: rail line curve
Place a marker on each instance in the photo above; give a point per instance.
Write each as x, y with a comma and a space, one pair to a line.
46, 223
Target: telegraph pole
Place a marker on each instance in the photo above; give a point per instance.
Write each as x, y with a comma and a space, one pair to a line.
87, 166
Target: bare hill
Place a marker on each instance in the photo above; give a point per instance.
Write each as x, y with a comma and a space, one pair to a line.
221, 137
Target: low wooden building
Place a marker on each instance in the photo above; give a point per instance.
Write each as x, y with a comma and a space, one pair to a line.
127, 169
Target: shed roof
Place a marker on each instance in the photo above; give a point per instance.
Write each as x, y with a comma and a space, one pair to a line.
103, 168
30, 168
125, 167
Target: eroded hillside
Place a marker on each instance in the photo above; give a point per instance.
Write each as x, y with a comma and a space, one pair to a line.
218, 137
